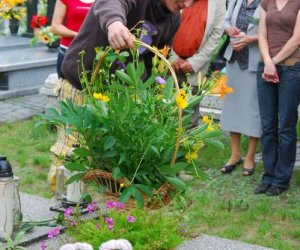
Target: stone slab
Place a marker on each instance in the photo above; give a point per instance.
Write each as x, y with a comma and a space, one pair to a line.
8, 94
29, 77
206, 242
14, 42
18, 59
35, 208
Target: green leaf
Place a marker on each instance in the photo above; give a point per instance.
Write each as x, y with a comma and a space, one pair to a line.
155, 150
139, 198
145, 189
26, 227
110, 154
169, 88
124, 77
117, 173
83, 152
198, 130
214, 143
87, 197
127, 193
75, 166
176, 182
196, 100
174, 169
109, 142
75, 177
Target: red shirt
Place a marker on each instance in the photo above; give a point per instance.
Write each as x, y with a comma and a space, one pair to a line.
75, 14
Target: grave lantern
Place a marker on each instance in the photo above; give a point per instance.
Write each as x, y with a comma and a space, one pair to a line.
10, 206
70, 194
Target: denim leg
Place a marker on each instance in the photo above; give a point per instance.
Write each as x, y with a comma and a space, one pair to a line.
289, 97
60, 58
268, 107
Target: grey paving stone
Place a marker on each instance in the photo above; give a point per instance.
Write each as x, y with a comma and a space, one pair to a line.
206, 242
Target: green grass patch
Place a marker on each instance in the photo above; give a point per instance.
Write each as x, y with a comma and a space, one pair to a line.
27, 149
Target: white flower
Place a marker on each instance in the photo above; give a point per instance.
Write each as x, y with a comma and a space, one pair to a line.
120, 244
77, 246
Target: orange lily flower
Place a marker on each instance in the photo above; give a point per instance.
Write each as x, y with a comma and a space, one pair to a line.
222, 88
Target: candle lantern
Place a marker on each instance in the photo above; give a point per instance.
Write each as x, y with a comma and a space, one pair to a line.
70, 194
10, 205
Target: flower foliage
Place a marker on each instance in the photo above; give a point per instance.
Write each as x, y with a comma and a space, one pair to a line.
130, 124
12, 9
44, 35
141, 229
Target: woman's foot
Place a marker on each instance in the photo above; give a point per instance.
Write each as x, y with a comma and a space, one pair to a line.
229, 167
249, 168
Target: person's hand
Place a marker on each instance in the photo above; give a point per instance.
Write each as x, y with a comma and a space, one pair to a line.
186, 67
119, 36
270, 72
242, 40
177, 64
232, 31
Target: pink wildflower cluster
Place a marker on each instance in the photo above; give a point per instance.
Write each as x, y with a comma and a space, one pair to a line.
54, 232
92, 207
115, 204
110, 223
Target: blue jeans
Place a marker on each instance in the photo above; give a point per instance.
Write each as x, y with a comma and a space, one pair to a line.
278, 105
60, 58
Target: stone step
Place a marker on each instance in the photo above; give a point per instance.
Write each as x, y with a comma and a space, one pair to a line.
25, 68
8, 43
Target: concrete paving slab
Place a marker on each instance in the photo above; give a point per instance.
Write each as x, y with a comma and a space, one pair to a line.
206, 242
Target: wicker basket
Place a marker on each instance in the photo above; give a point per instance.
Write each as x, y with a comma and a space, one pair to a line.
161, 196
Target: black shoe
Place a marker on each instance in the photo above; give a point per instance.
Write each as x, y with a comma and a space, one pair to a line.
262, 188
230, 167
275, 191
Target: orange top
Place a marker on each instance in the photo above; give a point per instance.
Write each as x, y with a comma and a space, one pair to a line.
189, 36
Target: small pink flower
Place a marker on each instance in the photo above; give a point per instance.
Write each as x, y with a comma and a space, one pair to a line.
109, 221
110, 227
54, 232
111, 204
130, 219
73, 223
68, 212
119, 205
43, 245
160, 80
98, 226
91, 207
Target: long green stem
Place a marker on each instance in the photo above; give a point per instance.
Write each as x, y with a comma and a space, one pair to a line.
139, 164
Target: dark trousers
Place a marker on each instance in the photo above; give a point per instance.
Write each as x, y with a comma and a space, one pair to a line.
278, 105
60, 58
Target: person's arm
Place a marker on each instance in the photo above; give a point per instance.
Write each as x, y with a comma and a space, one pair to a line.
228, 28
58, 27
292, 44
270, 72
112, 15
203, 54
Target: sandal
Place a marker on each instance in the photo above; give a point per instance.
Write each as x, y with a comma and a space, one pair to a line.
230, 167
248, 171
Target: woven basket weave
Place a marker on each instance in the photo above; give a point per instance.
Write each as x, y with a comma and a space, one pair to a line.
162, 196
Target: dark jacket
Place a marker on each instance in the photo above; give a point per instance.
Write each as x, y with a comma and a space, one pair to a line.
93, 32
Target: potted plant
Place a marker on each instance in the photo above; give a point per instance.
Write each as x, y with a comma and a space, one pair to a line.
132, 125
12, 11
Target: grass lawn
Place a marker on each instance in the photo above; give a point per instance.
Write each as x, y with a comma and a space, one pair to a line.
222, 205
